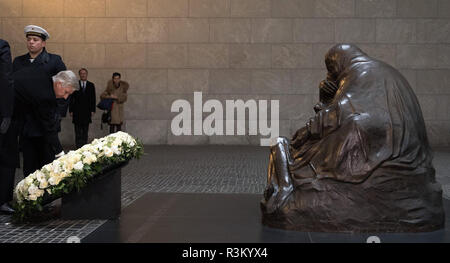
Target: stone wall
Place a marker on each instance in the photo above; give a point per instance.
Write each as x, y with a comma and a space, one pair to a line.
236, 49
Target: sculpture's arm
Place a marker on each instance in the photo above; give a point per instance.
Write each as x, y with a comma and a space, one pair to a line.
324, 122
300, 137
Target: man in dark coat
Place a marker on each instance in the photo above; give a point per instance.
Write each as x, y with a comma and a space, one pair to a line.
36, 108
42, 66
7, 165
50, 63
82, 107
362, 163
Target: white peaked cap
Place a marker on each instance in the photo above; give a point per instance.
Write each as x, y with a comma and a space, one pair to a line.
37, 31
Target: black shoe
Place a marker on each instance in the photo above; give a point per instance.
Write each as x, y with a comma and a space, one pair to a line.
6, 209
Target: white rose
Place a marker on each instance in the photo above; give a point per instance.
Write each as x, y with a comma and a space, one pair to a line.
32, 197
17, 190
20, 185
75, 158
95, 150
29, 180
32, 189
40, 193
20, 188
78, 166
40, 176
116, 150
108, 152
47, 167
56, 166
63, 175
56, 163
43, 184
118, 141
68, 167
88, 157
54, 180
85, 148
63, 158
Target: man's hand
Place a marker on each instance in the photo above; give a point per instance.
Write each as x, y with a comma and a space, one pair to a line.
5, 125
71, 114
113, 97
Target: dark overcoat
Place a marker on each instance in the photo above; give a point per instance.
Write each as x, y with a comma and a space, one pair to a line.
82, 104
6, 101
36, 106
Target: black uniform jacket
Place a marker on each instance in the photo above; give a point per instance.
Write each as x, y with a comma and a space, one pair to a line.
51, 65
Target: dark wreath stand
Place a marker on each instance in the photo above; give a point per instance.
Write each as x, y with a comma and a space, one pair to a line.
99, 199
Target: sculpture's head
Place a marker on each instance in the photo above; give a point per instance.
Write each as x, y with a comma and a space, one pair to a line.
340, 57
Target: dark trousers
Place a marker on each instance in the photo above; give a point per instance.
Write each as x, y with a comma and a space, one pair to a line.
81, 134
115, 128
36, 153
6, 184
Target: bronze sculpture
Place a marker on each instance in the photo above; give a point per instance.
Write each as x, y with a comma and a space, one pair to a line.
362, 163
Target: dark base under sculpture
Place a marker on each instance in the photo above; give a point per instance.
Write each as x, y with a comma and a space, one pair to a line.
331, 206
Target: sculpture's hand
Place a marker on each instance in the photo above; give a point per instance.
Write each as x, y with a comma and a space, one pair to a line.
319, 106
300, 137
327, 91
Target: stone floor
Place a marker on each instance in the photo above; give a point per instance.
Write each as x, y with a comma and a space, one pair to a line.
180, 169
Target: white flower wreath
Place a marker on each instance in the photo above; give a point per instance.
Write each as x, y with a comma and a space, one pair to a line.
72, 171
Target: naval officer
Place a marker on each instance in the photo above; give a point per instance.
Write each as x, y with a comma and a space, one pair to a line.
42, 66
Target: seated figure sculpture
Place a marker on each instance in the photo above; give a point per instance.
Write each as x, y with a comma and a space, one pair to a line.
362, 163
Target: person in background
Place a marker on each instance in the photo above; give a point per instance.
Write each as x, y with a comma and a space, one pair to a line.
82, 108
7, 164
116, 89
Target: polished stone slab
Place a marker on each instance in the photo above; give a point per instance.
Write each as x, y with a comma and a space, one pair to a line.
222, 218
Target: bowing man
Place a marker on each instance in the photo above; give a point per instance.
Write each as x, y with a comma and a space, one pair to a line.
36, 108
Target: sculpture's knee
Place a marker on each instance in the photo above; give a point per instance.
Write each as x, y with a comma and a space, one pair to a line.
282, 140
281, 145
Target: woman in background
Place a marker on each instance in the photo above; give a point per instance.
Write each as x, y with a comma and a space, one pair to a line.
116, 90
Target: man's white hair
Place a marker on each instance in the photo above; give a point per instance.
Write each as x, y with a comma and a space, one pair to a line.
67, 79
